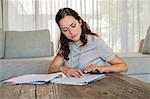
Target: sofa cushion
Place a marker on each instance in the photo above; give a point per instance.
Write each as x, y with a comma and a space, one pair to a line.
146, 45
137, 63
27, 44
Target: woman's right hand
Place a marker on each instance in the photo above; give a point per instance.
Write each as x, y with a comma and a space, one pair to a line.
72, 72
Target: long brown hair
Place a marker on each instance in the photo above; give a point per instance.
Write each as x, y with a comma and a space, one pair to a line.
64, 47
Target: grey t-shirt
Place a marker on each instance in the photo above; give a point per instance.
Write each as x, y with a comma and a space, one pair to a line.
96, 51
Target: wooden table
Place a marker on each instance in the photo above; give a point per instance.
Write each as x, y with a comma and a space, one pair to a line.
114, 86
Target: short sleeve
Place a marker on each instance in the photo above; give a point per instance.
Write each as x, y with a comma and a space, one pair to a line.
103, 50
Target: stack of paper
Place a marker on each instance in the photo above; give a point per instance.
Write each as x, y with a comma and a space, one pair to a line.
58, 78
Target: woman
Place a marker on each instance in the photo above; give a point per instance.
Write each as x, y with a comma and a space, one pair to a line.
82, 51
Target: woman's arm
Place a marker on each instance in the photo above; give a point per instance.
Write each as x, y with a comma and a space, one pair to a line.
117, 65
56, 66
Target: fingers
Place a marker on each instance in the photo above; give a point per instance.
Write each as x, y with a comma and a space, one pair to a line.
75, 73
81, 73
91, 68
101, 70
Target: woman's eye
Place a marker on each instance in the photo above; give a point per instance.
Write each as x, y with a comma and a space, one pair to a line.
64, 30
73, 26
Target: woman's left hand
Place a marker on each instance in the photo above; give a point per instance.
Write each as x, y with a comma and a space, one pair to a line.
94, 67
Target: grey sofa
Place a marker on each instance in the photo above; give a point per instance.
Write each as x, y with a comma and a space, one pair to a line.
139, 63
25, 52
31, 52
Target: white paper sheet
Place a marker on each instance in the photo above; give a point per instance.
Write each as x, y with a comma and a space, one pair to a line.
33, 78
58, 78
88, 78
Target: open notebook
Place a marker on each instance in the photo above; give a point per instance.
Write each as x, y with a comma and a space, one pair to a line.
58, 78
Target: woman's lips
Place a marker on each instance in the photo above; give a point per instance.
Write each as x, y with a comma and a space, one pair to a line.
73, 36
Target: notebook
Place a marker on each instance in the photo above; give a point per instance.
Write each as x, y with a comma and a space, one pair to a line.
58, 78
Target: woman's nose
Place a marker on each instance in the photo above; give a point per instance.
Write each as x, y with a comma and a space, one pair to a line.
71, 31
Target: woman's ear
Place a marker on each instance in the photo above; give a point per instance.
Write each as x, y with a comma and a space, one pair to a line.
80, 21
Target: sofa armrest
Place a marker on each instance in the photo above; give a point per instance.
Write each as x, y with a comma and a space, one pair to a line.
141, 45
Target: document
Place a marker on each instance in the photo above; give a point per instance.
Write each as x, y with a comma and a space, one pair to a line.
34, 78
58, 78
86, 79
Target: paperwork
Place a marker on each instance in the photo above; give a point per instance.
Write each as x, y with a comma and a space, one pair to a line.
58, 78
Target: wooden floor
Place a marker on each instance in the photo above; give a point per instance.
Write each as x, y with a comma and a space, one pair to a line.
114, 86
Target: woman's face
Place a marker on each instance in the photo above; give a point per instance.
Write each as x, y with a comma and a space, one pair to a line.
71, 28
